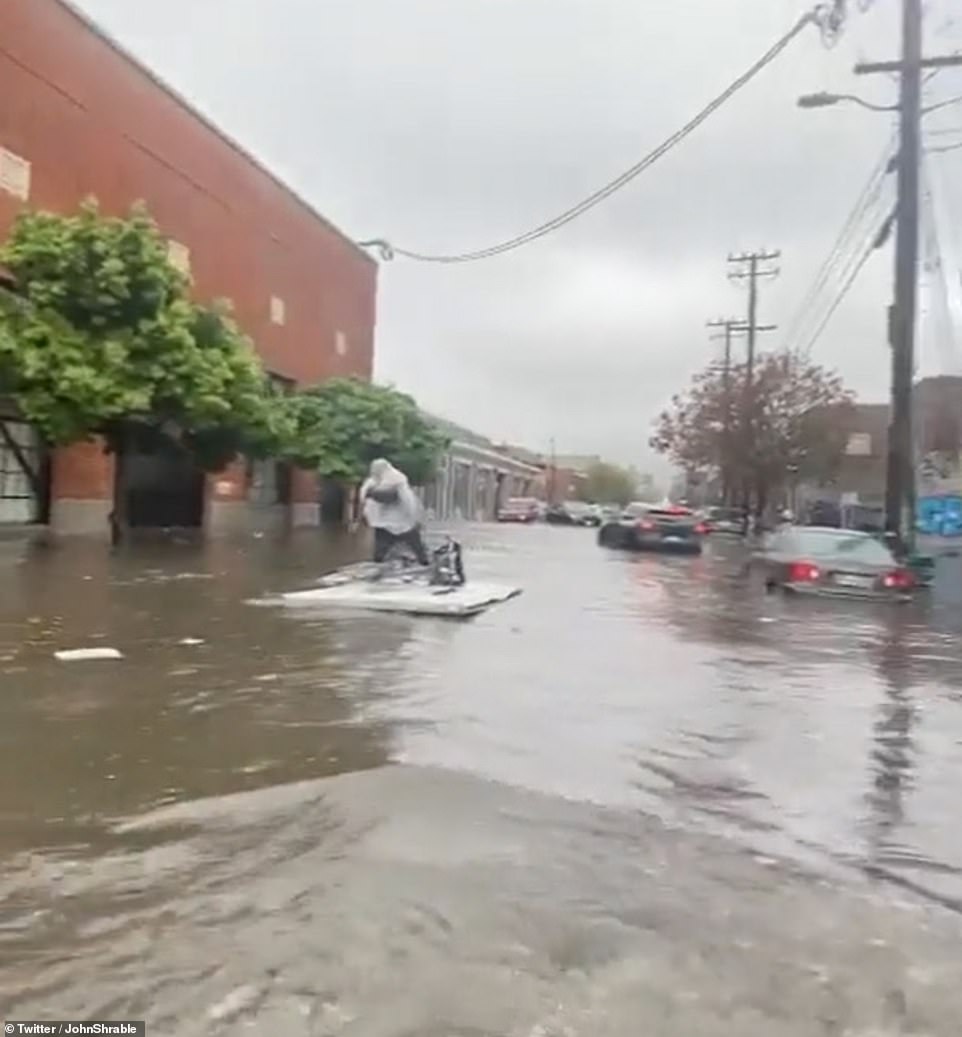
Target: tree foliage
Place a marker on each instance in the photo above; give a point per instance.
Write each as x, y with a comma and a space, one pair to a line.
339, 427
103, 338
609, 484
793, 424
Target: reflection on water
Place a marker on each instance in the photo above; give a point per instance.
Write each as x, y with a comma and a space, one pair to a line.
508, 833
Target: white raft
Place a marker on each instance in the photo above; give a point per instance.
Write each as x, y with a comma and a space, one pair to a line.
398, 595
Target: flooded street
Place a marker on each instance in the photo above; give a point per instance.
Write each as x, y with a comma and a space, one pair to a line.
641, 798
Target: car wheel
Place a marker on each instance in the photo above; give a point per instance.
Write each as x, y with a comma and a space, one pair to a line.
610, 538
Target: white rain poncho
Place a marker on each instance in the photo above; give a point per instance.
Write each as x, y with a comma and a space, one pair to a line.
397, 516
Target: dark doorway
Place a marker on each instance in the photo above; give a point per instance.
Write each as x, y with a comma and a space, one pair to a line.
333, 502
165, 489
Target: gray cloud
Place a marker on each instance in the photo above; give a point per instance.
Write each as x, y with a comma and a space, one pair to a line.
448, 124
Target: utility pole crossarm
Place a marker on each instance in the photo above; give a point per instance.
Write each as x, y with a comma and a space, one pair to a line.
868, 68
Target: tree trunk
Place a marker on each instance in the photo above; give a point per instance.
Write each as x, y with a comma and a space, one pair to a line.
761, 502
119, 515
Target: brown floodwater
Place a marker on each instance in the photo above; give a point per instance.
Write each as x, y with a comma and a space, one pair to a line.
641, 798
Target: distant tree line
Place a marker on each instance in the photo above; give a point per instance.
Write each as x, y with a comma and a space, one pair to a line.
607, 483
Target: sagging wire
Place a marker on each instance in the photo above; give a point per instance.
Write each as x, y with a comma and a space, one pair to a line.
388, 251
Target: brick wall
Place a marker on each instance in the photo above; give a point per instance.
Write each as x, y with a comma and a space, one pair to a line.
90, 121
82, 472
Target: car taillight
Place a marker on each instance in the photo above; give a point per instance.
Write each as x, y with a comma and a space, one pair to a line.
899, 579
803, 572
702, 528
646, 525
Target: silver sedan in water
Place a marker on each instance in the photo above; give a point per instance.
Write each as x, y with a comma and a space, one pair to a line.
835, 562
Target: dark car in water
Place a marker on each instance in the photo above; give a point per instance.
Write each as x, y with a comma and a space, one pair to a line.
573, 513
827, 561
644, 527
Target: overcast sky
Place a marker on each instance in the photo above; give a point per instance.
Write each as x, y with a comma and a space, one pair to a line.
446, 125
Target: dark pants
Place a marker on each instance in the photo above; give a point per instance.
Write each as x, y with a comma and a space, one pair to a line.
384, 540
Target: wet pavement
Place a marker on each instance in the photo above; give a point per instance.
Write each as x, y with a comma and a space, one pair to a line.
644, 797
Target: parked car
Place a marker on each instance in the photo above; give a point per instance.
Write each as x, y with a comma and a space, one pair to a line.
573, 513
825, 560
593, 516
728, 521
609, 512
643, 527
519, 509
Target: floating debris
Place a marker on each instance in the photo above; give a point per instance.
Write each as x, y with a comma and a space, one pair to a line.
81, 655
239, 1000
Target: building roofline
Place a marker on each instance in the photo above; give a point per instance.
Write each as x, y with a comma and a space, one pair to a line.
492, 456
81, 16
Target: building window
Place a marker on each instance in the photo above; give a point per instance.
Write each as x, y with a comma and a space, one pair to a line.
18, 503
278, 311
859, 445
178, 255
14, 175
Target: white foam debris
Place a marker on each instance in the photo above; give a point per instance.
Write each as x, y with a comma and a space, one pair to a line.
240, 999
82, 655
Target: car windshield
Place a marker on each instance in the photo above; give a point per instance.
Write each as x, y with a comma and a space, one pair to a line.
835, 544
574, 505
724, 514
521, 502
636, 510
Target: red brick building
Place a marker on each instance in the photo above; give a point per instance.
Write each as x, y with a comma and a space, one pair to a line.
80, 117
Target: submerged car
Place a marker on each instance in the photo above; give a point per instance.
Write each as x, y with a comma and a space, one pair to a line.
834, 562
671, 528
520, 509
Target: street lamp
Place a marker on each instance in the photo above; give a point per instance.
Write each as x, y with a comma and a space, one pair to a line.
826, 100
823, 99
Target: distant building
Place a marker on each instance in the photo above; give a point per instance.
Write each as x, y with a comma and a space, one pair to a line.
938, 446
81, 117
475, 477
861, 473
938, 434
566, 477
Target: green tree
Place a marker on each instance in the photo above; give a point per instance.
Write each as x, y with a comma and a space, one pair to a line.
339, 427
102, 338
798, 420
609, 484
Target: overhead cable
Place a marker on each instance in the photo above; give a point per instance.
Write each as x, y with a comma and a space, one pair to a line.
388, 251
876, 241
835, 260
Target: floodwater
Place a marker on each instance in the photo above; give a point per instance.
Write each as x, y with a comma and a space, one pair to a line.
643, 798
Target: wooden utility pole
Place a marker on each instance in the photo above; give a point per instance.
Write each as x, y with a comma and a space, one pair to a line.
730, 327
751, 267
900, 493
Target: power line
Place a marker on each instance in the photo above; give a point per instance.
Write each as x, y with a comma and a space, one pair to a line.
875, 242
867, 197
388, 251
